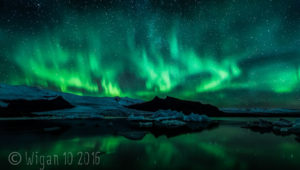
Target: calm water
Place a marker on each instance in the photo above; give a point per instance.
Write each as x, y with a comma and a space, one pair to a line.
225, 147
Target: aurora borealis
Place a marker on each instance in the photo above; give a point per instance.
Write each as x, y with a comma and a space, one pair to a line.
239, 53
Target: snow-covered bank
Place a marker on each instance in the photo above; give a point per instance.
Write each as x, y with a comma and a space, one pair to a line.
84, 106
259, 110
99, 107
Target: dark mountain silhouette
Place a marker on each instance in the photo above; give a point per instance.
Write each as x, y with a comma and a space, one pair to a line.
21, 106
172, 103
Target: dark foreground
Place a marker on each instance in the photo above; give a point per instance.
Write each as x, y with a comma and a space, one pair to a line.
115, 144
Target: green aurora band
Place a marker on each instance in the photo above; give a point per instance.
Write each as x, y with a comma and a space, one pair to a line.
232, 54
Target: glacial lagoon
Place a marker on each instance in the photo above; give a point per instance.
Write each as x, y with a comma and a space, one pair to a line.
227, 146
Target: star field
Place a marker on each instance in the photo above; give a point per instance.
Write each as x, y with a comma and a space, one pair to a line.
239, 53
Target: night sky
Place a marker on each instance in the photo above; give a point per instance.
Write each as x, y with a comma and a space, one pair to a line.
237, 53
